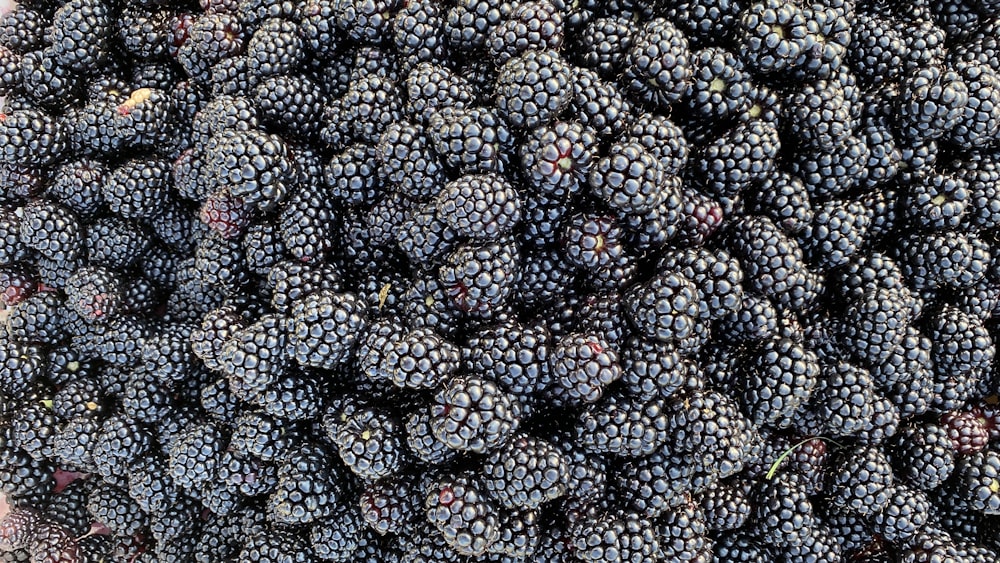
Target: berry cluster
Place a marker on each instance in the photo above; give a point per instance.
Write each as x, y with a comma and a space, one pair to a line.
513, 281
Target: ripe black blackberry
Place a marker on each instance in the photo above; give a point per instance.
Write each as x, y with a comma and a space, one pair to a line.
980, 122
534, 25
256, 355
818, 115
557, 158
292, 104
256, 165
731, 163
471, 140
119, 442
874, 325
274, 48
370, 444
843, 400
470, 22
479, 279
614, 537
603, 45
906, 514
526, 473
656, 64
975, 479
861, 480
482, 206
962, 351
622, 426
628, 178
592, 242
408, 162
780, 376
666, 308
431, 86
582, 366
931, 103
598, 103
473, 414
323, 328
773, 263
195, 455
533, 88
717, 276
783, 198
419, 34
512, 354
467, 519
371, 104
271, 545
719, 86
309, 486
353, 175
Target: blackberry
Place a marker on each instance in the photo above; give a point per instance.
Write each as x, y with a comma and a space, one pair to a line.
598, 104
254, 164
773, 263
372, 103
112, 507
818, 115
479, 206
980, 122
710, 425
370, 443
731, 163
80, 32
533, 88
784, 514
536, 25
472, 414
270, 545
656, 65
628, 178
208, 340
603, 45
526, 473
774, 36
292, 104
592, 242
77, 185
195, 455
419, 33
45, 80
408, 162
726, 506
582, 366
338, 538
422, 443
430, 87
936, 202
256, 434
975, 481
512, 354
968, 433
614, 537
719, 86
558, 158
862, 480
479, 278
784, 199
622, 426
119, 442
456, 507
256, 355
470, 22
390, 505
780, 377
932, 102
907, 512
137, 187
352, 175
208, 39
323, 328
665, 308
664, 139
52, 230
309, 487
471, 140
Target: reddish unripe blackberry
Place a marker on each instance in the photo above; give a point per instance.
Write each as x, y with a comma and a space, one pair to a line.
966, 431
225, 213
